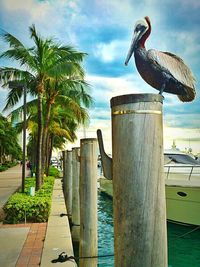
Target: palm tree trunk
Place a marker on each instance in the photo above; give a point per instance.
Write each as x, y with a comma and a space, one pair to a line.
50, 151
47, 151
34, 154
45, 133
39, 143
48, 159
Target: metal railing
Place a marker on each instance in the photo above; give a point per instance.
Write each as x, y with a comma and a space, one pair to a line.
191, 170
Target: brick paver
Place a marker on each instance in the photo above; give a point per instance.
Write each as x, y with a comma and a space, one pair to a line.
31, 252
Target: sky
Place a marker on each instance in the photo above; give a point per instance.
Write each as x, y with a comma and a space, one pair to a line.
103, 29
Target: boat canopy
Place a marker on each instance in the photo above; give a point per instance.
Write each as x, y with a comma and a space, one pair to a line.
180, 158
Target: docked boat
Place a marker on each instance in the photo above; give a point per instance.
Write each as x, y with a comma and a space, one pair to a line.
182, 188
182, 184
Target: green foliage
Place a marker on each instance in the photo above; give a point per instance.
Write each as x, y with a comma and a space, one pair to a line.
22, 206
6, 166
10, 164
8, 139
53, 171
3, 168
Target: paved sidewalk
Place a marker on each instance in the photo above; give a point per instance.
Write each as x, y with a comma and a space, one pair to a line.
10, 181
21, 245
36, 244
58, 236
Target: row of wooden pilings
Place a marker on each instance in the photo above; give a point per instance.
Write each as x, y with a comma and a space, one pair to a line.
80, 191
138, 186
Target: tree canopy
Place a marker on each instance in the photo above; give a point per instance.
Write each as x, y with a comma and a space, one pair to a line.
8, 141
53, 74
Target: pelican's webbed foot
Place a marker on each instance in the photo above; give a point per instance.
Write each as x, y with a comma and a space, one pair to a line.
162, 90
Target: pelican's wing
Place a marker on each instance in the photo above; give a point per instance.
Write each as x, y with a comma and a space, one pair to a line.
175, 66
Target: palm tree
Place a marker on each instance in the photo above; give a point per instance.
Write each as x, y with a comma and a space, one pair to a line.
62, 127
45, 63
8, 141
70, 93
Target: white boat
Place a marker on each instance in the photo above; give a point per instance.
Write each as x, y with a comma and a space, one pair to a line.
182, 188
182, 184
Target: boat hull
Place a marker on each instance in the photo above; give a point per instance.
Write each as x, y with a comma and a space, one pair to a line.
183, 203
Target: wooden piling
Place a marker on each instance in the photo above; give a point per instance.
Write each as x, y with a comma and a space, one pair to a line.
138, 181
64, 154
88, 202
69, 182
75, 194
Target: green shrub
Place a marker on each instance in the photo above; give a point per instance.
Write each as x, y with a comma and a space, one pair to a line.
53, 171
22, 206
7, 165
11, 164
3, 168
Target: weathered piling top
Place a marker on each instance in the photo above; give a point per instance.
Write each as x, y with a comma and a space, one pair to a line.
88, 139
135, 98
84, 141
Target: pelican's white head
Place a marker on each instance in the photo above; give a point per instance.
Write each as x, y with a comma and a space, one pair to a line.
141, 32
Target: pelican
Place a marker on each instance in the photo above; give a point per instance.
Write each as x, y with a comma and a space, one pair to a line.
164, 71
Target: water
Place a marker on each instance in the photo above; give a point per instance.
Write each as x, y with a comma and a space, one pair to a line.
183, 241
183, 248
105, 231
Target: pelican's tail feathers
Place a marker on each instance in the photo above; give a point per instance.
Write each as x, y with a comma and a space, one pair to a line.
189, 94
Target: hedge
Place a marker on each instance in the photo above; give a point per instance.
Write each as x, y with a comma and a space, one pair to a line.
3, 168
22, 207
8, 165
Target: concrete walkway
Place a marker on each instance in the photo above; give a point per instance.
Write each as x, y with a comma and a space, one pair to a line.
10, 181
58, 236
35, 244
22, 244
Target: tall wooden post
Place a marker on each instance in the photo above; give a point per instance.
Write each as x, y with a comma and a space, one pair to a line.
64, 154
69, 182
138, 181
75, 194
88, 202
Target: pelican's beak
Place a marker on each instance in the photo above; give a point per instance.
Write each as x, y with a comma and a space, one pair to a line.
135, 39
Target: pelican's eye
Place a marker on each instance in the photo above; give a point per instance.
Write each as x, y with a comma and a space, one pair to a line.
137, 28
140, 28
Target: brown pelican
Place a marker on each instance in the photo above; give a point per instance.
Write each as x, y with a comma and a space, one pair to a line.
164, 71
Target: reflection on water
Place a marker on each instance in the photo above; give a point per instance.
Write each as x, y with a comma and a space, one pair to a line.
183, 241
105, 231
183, 245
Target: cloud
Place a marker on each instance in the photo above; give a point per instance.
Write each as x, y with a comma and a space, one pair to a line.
183, 120
48, 16
109, 52
183, 137
104, 88
91, 132
184, 44
189, 4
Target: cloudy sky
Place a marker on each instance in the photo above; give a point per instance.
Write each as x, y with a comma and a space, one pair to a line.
103, 29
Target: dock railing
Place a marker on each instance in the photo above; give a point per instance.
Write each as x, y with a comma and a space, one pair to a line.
187, 171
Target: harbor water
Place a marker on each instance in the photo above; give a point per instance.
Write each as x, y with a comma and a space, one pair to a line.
183, 241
